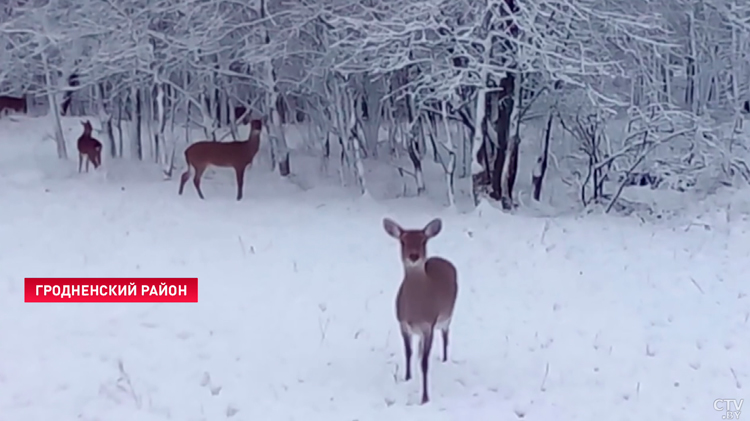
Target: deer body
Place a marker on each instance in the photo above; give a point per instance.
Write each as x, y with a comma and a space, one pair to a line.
238, 155
427, 295
12, 103
88, 147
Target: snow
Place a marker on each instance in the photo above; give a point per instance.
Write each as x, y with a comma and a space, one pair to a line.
562, 318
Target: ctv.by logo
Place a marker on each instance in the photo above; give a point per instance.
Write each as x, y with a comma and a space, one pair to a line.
730, 407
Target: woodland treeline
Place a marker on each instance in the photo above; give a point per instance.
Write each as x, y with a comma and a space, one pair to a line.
452, 82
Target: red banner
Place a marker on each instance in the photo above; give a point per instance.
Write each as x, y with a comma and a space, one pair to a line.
111, 290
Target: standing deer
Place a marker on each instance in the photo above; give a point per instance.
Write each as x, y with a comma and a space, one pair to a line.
238, 155
427, 294
12, 103
89, 147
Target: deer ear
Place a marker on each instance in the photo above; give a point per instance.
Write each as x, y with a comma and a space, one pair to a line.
433, 228
392, 228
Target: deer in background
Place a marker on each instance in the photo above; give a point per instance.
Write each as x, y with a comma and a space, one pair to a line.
427, 294
89, 147
238, 155
12, 103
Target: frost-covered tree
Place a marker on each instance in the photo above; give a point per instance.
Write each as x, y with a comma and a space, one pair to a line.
452, 82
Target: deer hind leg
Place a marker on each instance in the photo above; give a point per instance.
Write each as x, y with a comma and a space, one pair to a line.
197, 180
406, 335
240, 173
444, 326
425, 346
97, 154
183, 179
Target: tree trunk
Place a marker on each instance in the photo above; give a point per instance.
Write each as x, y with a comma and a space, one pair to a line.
502, 128
537, 177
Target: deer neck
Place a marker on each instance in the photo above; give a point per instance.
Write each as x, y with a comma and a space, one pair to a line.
414, 270
253, 137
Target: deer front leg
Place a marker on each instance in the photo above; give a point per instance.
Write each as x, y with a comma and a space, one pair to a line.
197, 180
407, 352
240, 173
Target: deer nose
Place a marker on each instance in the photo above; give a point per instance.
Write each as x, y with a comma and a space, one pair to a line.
413, 257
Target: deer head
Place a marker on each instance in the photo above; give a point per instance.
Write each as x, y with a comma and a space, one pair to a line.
413, 241
87, 128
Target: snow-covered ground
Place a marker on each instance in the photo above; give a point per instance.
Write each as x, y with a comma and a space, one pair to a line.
558, 319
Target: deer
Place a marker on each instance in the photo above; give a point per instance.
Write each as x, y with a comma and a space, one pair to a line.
12, 103
238, 155
427, 294
88, 147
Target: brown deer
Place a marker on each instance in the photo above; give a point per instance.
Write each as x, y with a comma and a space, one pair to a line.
427, 294
89, 147
238, 155
12, 103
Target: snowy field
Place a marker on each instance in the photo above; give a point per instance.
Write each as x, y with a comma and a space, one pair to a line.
558, 319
